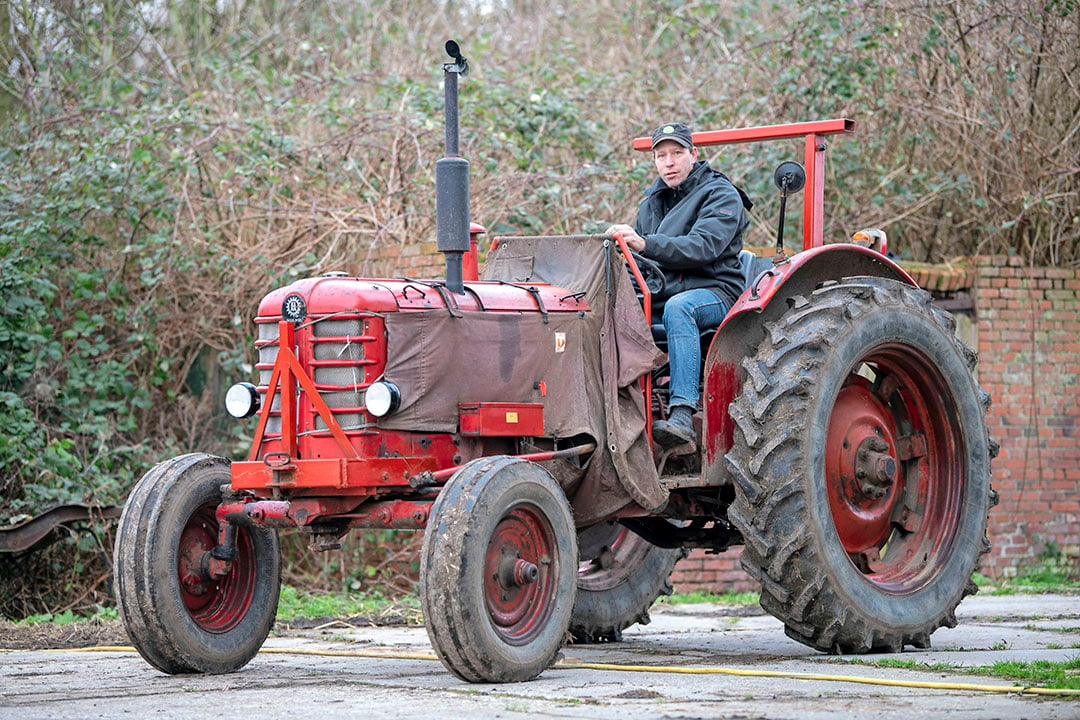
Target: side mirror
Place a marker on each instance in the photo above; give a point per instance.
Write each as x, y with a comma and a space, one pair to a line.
789, 177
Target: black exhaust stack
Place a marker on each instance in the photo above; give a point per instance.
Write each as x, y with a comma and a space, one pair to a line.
452, 179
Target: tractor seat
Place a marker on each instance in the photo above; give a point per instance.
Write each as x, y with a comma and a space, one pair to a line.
751, 266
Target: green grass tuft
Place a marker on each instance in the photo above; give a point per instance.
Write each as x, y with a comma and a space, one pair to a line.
292, 604
1063, 675
69, 616
1053, 574
1042, 673
728, 598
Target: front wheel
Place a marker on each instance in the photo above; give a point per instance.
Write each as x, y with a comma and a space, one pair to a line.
862, 468
179, 617
497, 571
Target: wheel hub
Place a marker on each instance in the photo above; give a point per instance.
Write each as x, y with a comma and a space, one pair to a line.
875, 467
193, 561
861, 467
216, 594
515, 572
519, 585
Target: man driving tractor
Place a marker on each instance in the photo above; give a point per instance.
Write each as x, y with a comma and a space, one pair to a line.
690, 224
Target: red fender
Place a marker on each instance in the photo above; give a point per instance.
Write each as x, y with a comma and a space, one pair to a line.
744, 328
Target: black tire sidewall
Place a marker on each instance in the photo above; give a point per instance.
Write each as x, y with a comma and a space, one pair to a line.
603, 613
485, 501
169, 622
911, 611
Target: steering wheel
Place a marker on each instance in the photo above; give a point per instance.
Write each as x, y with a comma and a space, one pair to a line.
650, 271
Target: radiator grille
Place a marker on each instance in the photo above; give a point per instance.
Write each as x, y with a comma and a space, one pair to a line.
337, 375
347, 327
337, 365
347, 421
268, 333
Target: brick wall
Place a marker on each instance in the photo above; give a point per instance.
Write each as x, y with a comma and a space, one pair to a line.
718, 573
419, 261
1027, 331
1029, 352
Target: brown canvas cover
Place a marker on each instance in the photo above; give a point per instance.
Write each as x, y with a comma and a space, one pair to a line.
439, 361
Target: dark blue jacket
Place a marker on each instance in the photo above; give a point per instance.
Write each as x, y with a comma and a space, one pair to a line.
694, 232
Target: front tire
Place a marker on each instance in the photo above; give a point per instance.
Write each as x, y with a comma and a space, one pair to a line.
179, 619
862, 468
497, 571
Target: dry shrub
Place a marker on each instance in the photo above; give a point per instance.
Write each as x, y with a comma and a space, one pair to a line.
985, 115
381, 561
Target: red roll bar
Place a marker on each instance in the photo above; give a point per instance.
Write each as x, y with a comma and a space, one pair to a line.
814, 154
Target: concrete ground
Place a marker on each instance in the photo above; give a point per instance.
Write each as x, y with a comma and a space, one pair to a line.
282, 683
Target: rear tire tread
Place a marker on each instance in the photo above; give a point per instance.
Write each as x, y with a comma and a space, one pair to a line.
778, 552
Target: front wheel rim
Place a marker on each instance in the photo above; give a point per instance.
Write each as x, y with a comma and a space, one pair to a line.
520, 574
215, 605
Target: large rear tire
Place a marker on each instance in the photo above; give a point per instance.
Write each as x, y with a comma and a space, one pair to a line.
862, 468
180, 619
619, 578
497, 571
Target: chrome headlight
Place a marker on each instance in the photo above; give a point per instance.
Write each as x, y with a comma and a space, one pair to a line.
382, 398
242, 400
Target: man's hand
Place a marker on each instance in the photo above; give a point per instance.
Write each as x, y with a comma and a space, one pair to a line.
634, 241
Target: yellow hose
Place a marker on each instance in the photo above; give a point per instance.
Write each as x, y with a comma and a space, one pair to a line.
1018, 689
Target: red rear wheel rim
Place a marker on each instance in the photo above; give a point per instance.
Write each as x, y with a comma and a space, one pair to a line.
216, 605
894, 484
621, 558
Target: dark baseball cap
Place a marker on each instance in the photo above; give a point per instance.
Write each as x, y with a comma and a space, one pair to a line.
673, 131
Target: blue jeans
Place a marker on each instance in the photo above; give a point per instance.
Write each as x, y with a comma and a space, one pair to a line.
685, 316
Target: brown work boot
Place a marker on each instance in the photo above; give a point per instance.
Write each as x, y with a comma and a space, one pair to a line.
677, 430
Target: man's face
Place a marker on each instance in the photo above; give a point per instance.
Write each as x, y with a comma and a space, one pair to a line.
673, 162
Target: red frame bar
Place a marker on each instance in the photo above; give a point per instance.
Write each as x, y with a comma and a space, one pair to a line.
298, 512
332, 475
646, 297
762, 133
814, 193
814, 159
286, 375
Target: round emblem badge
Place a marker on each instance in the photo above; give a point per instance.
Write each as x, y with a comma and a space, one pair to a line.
294, 308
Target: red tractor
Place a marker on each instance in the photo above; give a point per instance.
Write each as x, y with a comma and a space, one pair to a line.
509, 417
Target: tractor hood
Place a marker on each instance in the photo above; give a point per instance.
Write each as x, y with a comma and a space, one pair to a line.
333, 293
